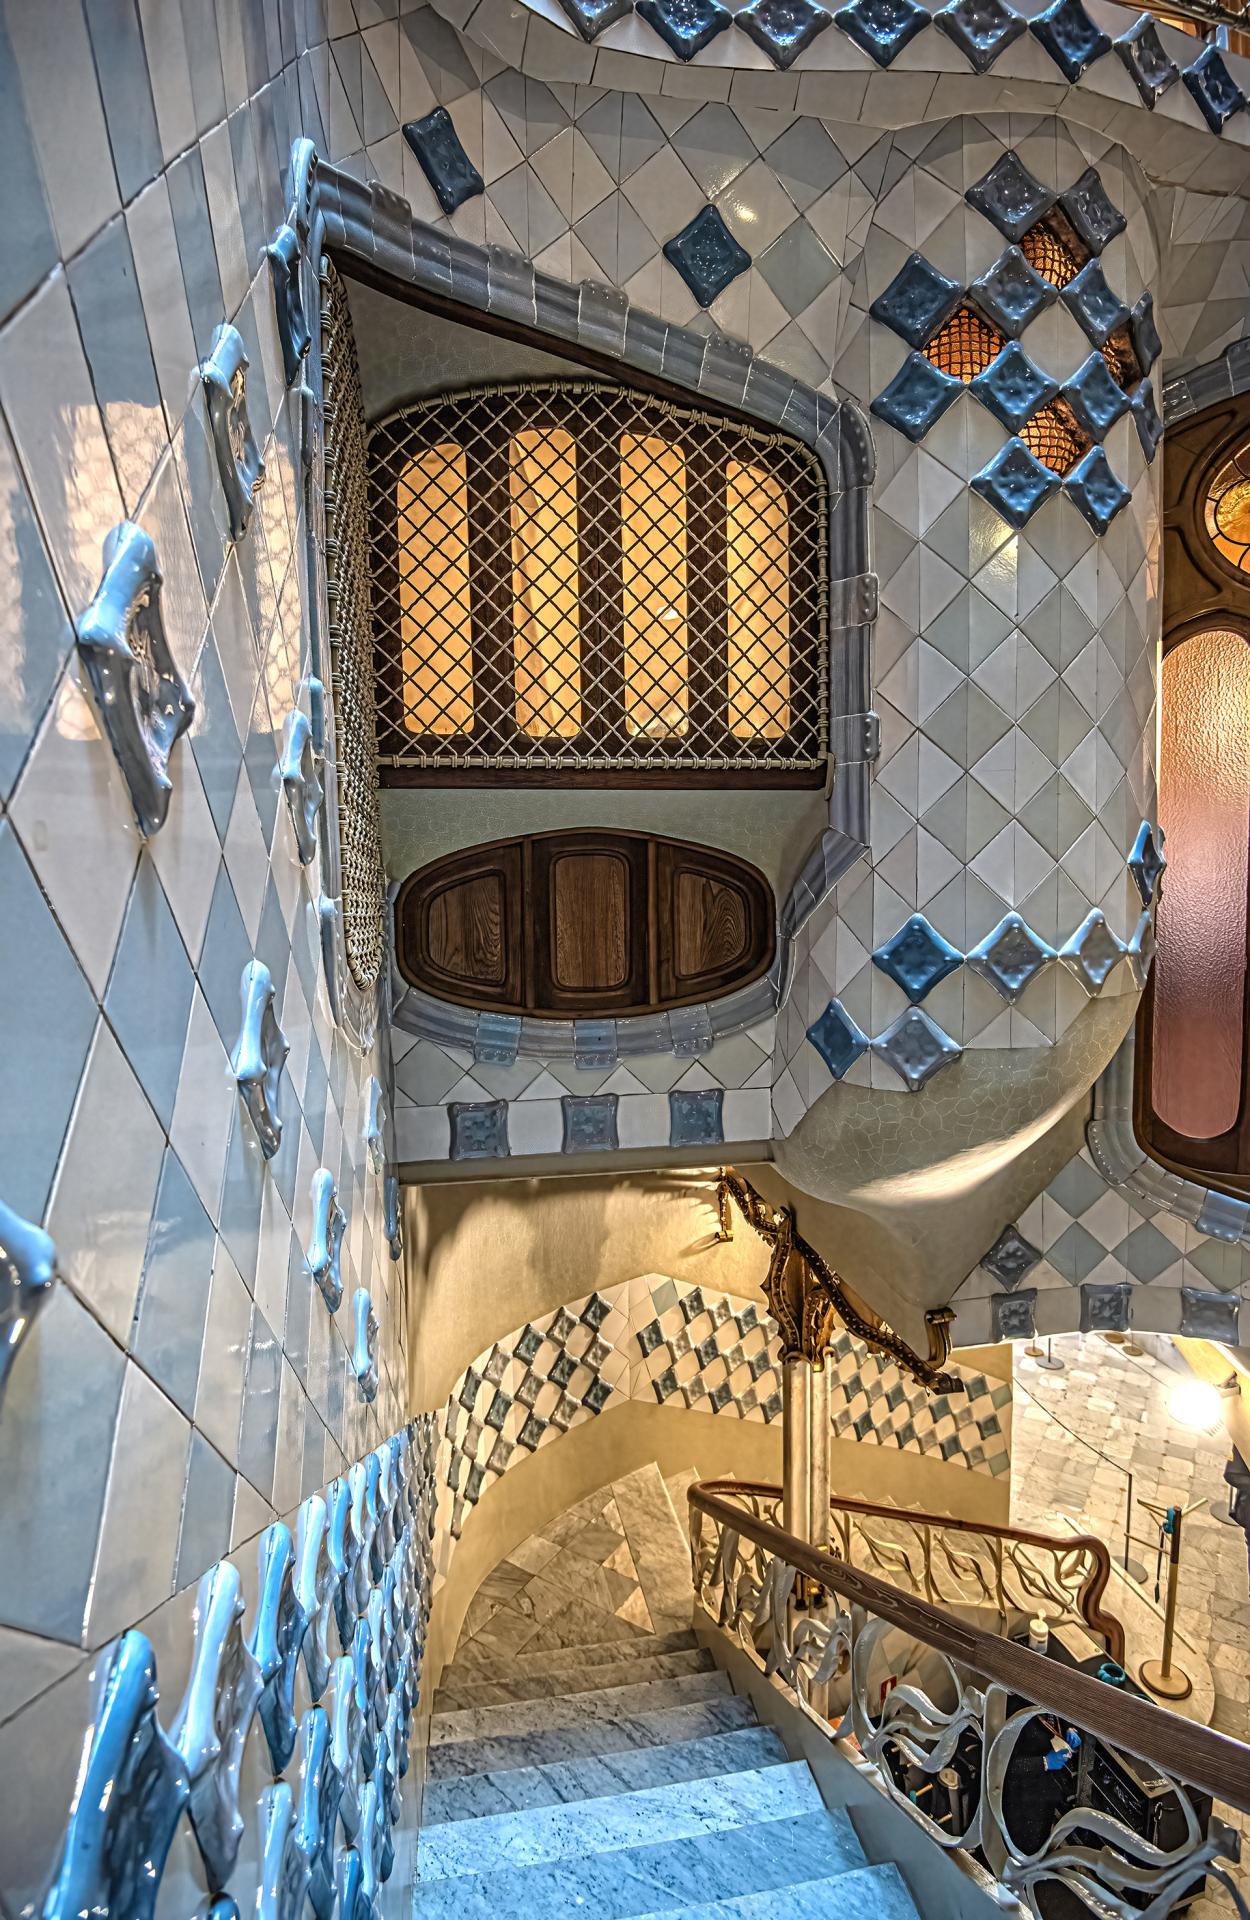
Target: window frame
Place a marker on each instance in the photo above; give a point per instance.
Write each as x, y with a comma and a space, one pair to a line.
599, 754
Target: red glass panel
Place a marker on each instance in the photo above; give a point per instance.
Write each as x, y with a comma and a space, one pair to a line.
1204, 808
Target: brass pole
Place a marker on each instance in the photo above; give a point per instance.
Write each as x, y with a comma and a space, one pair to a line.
796, 1445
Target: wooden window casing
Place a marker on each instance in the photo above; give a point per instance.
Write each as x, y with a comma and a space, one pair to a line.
615, 590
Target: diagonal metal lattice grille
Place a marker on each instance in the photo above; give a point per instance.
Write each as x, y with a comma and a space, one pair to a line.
576, 576
347, 584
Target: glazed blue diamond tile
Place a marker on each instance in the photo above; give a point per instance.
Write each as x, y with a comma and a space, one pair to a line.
980, 29
479, 1129
837, 1039
1010, 956
1015, 483
782, 28
882, 28
695, 1118
1213, 87
917, 957
1009, 197
916, 1048
687, 26
1070, 37
589, 1122
1011, 1315
1096, 307
1146, 418
917, 396
1150, 65
1143, 332
917, 301
706, 255
1146, 862
1091, 212
1095, 398
1011, 1257
1012, 388
1097, 492
1011, 293
444, 161
590, 17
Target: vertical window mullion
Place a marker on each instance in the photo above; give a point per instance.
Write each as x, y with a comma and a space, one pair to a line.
707, 601
490, 584
599, 513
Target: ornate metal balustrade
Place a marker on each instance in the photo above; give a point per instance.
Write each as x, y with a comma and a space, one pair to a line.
930, 1698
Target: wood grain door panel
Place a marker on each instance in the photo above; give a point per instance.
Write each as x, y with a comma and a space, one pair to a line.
587, 924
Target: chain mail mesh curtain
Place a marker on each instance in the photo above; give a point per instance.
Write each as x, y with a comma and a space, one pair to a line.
351, 638
576, 577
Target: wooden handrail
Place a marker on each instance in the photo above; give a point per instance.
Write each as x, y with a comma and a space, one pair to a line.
1210, 1761
1091, 1590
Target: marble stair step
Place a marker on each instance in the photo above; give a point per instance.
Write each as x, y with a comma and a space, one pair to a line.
538, 1836
660, 1877
600, 1706
570, 1678
666, 1726
879, 1891
597, 1653
591, 1776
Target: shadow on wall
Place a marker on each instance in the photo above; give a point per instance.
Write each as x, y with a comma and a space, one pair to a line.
904, 1193
491, 1256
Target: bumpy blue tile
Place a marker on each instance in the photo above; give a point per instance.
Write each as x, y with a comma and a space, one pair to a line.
695, 1118
837, 1039
687, 26
1011, 1314
706, 255
783, 28
1097, 309
1011, 1257
1012, 293
1009, 196
918, 300
1146, 862
1086, 204
1105, 1307
1213, 87
1010, 956
917, 396
917, 957
1092, 951
1015, 483
444, 161
1151, 67
590, 17
882, 28
916, 1048
980, 29
1209, 1315
1096, 399
1143, 332
479, 1129
1095, 490
1070, 37
589, 1122
1012, 388
28, 1274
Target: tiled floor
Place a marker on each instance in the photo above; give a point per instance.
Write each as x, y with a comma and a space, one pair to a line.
1118, 1404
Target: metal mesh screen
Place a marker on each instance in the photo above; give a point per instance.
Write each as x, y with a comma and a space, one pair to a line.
574, 575
347, 581
965, 345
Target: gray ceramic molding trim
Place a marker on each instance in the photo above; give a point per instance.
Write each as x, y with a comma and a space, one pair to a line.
325, 1241
351, 219
260, 1055
364, 1344
140, 697
1123, 1161
1220, 379
239, 465
212, 1723
301, 783
28, 1274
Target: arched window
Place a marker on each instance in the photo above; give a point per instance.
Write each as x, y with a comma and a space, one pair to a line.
1193, 1082
577, 578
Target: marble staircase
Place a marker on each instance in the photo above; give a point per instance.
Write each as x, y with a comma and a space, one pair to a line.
587, 1756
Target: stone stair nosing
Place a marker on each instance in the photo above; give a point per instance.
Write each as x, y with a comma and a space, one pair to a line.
877, 1890
699, 1719
602, 1704
570, 1679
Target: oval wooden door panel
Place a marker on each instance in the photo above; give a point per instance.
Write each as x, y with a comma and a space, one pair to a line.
584, 924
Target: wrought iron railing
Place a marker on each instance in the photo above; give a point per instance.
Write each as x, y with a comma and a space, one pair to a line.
958, 1725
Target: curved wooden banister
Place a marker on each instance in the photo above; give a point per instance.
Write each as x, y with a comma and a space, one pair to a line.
1210, 1761
1107, 1625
